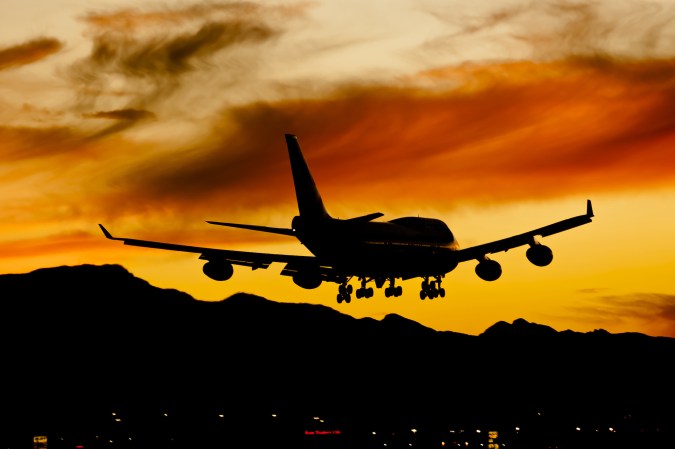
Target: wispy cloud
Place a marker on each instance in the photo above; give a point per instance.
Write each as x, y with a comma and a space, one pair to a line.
28, 52
490, 131
654, 311
122, 114
529, 130
134, 19
150, 56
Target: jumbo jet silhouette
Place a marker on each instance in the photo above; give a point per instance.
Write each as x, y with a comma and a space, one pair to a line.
365, 249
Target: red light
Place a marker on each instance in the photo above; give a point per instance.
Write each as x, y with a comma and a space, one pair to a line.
322, 432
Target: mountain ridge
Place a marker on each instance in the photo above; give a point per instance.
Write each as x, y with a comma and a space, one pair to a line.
84, 339
54, 274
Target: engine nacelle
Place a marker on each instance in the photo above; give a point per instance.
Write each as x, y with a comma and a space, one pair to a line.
218, 270
489, 270
307, 279
539, 255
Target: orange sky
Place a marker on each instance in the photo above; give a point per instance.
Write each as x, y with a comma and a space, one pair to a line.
496, 119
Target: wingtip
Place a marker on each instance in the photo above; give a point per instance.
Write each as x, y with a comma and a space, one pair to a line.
589, 209
105, 232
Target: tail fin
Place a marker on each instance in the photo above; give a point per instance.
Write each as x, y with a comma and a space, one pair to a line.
310, 204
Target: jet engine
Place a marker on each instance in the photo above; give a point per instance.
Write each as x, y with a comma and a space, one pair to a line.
218, 270
539, 255
489, 270
307, 279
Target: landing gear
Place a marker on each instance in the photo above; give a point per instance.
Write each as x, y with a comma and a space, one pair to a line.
392, 290
432, 289
345, 290
363, 291
345, 293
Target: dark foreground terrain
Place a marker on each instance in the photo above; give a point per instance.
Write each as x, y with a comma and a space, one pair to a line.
95, 357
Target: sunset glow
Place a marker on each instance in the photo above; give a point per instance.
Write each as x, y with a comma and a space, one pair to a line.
496, 118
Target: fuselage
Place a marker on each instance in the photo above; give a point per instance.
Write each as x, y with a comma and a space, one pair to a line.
405, 247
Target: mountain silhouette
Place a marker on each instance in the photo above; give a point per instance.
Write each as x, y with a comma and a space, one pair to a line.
79, 341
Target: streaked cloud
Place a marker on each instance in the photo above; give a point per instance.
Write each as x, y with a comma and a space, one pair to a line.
500, 130
654, 311
28, 52
148, 55
134, 19
592, 127
122, 114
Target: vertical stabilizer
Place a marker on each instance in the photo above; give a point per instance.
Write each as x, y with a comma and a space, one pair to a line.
310, 204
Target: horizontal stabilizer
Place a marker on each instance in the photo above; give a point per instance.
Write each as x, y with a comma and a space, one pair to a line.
283, 231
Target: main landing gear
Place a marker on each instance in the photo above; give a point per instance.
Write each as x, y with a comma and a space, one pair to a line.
392, 290
345, 293
345, 290
432, 289
363, 291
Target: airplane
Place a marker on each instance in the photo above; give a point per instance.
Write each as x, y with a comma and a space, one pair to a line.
363, 248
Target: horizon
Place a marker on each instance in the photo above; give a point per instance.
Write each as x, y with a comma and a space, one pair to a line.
514, 323
496, 119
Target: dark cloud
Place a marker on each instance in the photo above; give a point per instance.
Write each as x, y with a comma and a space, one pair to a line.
246, 166
166, 57
134, 19
122, 114
29, 52
126, 118
152, 53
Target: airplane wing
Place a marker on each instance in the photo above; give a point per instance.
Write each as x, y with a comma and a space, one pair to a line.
244, 258
282, 231
528, 238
